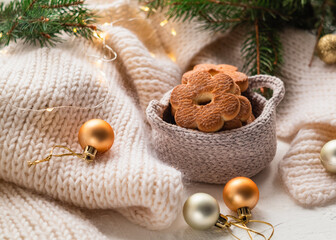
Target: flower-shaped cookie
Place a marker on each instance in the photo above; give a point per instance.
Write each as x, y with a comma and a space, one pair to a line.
239, 78
207, 102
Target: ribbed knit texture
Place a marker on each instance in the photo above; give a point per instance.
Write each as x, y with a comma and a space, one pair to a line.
25, 215
127, 177
218, 157
309, 112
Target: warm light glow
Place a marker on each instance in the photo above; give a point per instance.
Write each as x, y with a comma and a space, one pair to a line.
106, 24
0, 34
164, 22
102, 35
173, 32
75, 30
95, 34
172, 57
3, 51
145, 9
152, 54
50, 109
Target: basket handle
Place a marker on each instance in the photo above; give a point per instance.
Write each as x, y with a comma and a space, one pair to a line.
273, 83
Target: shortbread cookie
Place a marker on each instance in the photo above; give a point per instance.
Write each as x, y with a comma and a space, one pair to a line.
239, 78
243, 116
206, 101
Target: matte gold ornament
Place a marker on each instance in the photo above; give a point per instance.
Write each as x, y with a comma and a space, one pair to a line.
326, 48
328, 156
95, 136
241, 194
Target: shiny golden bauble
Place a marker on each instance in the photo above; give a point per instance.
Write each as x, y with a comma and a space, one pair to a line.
328, 156
326, 48
97, 134
240, 192
201, 211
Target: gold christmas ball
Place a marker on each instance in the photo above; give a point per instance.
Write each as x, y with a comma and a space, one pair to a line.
96, 133
240, 192
326, 48
201, 211
328, 156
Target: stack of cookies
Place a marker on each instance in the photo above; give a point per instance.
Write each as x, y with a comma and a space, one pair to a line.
209, 99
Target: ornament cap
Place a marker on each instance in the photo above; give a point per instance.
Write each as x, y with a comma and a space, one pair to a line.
89, 153
244, 214
222, 221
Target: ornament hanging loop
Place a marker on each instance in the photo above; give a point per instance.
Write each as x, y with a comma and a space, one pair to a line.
241, 223
46, 159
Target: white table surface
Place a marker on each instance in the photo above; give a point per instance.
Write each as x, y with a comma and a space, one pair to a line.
291, 220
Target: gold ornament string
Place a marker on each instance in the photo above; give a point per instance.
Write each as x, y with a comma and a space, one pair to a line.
71, 153
231, 233
242, 224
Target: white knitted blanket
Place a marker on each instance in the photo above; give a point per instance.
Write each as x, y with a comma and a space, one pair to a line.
130, 178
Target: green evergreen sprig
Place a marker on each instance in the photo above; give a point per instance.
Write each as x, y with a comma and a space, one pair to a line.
262, 48
43, 21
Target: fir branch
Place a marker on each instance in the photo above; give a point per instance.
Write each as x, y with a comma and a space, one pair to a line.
79, 25
65, 5
246, 6
43, 21
262, 49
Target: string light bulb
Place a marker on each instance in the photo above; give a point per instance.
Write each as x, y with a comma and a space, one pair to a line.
74, 30
163, 23
173, 32
144, 8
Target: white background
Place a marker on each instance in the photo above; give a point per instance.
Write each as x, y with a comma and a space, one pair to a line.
291, 220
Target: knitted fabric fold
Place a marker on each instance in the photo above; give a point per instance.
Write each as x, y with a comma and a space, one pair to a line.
25, 215
128, 177
301, 169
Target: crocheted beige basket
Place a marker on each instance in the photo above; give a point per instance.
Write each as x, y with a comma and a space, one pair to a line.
218, 157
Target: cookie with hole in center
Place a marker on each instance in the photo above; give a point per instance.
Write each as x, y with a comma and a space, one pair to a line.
205, 102
239, 78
